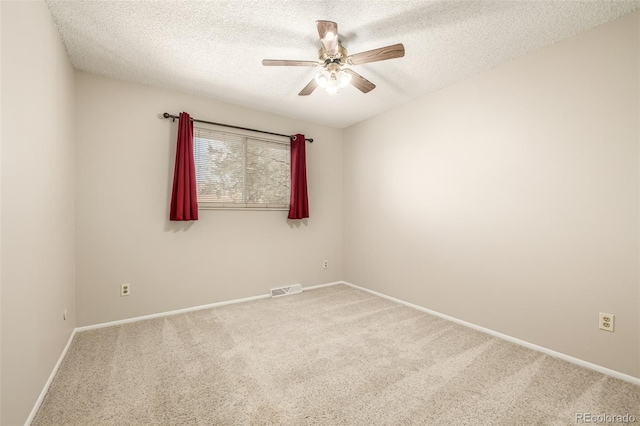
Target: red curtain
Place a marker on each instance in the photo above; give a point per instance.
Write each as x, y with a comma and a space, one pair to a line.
184, 202
299, 204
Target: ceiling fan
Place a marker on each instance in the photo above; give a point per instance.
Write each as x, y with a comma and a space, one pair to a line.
333, 58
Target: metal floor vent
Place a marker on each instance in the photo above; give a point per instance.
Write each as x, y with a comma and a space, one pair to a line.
283, 291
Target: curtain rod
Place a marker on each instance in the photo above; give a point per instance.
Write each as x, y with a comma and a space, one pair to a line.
175, 117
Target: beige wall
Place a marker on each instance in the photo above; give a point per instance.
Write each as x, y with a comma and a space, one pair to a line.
125, 157
37, 217
510, 200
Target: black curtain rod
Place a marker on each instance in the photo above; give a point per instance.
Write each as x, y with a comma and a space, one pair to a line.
174, 117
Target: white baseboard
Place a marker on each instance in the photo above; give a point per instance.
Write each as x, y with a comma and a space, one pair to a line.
170, 313
45, 389
313, 287
194, 308
550, 352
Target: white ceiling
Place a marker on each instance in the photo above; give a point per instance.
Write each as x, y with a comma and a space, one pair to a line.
215, 48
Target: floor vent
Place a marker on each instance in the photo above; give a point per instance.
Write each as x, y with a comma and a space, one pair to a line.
283, 291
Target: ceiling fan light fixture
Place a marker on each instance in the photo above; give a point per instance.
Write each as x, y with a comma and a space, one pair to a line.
332, 81
333, 86
332, 90
343, 79
322, 78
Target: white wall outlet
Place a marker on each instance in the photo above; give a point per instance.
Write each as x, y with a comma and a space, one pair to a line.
607, 321
125, 289
325, 264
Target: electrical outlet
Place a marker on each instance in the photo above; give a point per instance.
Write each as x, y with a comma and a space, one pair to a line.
125, 289
325, 264
607, 321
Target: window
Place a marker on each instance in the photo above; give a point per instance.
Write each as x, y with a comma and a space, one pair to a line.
236, 171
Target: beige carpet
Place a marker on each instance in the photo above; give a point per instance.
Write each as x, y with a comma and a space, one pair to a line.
331, 356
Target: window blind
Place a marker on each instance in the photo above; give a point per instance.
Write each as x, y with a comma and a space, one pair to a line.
236, 171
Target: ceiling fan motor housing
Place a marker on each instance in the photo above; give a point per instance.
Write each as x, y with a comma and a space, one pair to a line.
340, 57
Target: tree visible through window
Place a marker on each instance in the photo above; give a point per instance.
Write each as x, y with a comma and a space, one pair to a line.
234, 171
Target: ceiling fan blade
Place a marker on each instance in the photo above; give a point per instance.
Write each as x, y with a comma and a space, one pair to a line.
309, 88
328, 32
287, 63
359, 82
381, 54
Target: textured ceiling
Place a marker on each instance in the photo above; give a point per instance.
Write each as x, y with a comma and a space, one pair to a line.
215, 48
